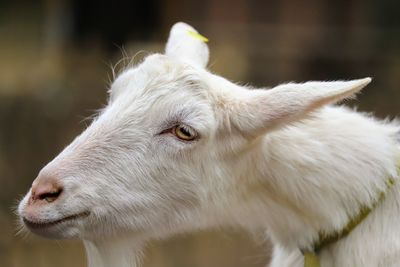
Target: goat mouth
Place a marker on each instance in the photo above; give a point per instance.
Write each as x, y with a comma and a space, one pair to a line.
46, 224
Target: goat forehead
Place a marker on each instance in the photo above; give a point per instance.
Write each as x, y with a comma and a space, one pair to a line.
158, 91
158, 81
158, 72
157, 96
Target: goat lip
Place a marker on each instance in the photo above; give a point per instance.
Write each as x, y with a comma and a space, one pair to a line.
45, 223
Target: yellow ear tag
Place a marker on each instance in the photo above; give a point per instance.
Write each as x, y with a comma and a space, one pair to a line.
198, 36
311, 260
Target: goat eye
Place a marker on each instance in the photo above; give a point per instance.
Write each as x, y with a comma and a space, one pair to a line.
185, 132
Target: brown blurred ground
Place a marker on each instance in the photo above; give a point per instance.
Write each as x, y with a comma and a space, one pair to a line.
54, 72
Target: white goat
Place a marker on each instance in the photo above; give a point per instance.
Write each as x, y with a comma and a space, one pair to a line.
179, 149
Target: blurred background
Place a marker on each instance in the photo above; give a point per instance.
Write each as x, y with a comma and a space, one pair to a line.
55, 59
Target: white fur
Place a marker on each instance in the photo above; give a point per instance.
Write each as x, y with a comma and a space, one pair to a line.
276, 160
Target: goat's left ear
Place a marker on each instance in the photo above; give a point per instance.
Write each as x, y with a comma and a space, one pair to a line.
258, 111
186, 44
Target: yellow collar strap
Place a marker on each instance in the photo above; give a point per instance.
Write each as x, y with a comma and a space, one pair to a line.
311, 257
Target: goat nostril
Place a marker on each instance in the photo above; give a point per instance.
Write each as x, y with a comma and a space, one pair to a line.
48, 192
45, 187
51, 196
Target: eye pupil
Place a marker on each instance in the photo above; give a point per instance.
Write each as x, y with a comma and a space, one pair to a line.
184, 131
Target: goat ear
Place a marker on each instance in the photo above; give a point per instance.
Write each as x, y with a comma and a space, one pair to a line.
186, 44
262, 110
